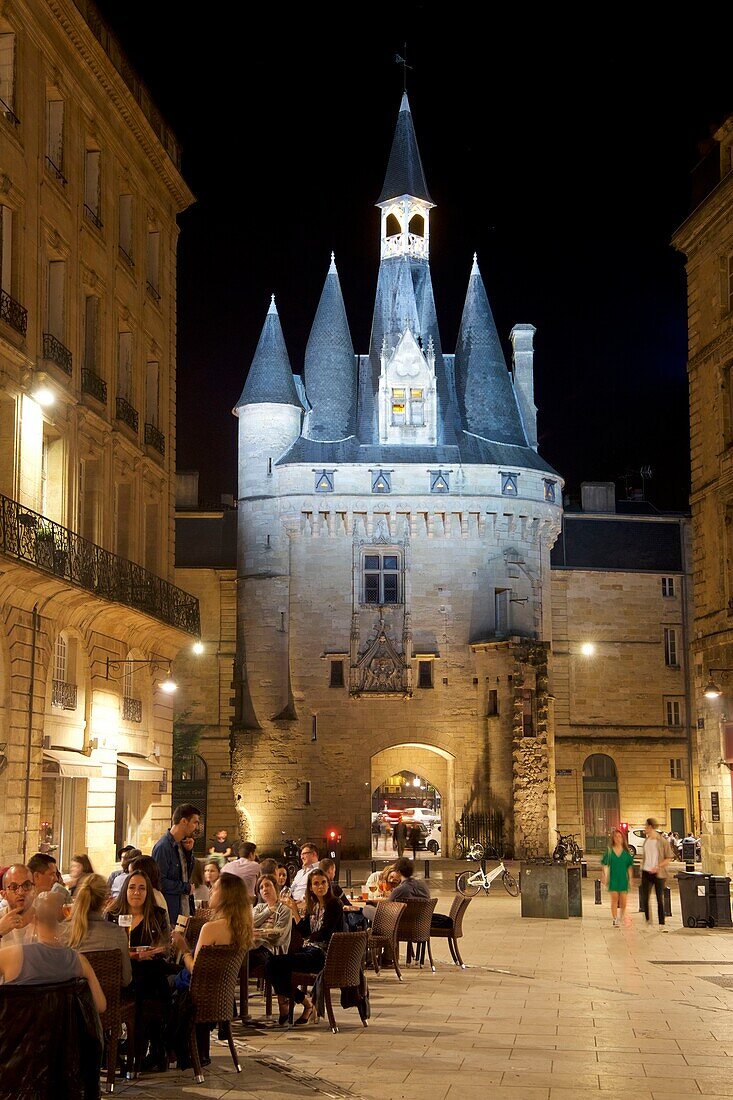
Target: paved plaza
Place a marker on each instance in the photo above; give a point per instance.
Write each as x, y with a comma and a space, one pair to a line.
546, 1010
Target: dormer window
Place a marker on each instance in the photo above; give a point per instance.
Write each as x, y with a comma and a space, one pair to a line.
324, 481
408, 406
549, 490
509, 485
381, 481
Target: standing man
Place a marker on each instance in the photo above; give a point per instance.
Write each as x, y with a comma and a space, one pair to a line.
174, 863
657, 854
400, 837
245, 866
309, 860
17, 890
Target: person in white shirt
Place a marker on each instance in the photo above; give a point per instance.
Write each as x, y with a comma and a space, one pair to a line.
657, 854
309, 861
245, 867
18, 893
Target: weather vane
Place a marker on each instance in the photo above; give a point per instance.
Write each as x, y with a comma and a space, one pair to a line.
399, 60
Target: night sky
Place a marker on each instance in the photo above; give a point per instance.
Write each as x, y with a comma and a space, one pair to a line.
565, 167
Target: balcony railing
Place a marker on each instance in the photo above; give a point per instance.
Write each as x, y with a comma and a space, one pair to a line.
8, 113
92, 216
155, 438
93, 384
63, 695
56, 171
32, 538
13, 312
132, 709
126, 413
153, 291
125, 255
54, 350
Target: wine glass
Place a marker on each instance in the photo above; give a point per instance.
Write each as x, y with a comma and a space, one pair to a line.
125, 921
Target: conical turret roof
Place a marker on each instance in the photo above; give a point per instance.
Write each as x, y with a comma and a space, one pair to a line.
484, 388
270, 378
405, 174
330, 367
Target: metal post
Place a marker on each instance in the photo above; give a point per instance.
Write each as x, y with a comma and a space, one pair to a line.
348, 878
427, 868
374, 865
29, 746
597, 887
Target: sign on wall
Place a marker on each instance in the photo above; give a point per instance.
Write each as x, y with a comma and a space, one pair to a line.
715, 806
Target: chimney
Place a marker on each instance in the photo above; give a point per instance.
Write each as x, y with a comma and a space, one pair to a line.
598, 496
187, 490
522, 337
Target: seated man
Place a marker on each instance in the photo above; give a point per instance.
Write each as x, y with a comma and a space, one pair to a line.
18, 893
410, 887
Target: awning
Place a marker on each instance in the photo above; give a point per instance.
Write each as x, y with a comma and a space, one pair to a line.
73, 764
140, 770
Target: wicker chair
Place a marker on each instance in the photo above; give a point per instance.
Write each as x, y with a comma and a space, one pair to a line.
213, 986
107, 965
344, 969
193, 929
414, 928
383, 934
455, 931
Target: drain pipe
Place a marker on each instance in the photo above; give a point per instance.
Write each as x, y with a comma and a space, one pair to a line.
29, 744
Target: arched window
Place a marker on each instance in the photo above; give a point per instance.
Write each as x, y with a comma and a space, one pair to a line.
393, 226
417, 225
600, 801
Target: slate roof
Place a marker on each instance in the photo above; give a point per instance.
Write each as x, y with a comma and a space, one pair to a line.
484, 388
405, 174
330, 367
619, 543
270, 378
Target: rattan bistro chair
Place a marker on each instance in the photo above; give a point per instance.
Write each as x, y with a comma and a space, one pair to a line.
213, 985
193, 929
414, 928
455, 930
344, 969
383, 934
107, 965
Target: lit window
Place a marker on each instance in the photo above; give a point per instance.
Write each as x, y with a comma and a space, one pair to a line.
417, 408
439, 481
381, 578
408, 406
324, 481
670, 647
668, 586
509, 485
399, 406
381, 481
549, 490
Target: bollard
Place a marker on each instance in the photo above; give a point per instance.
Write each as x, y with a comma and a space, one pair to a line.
374, 865
597, 886
427, 868
348, 878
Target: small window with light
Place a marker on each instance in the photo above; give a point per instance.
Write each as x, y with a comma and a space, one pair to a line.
417, 408
381, 481
381, 573
439, 481
324, 481
509, 484
399, 406
549, 490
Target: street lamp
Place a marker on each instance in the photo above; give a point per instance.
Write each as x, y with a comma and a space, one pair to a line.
712, 690
168, 685
587, 649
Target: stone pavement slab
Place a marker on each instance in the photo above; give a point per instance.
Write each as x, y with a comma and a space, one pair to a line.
553, 1010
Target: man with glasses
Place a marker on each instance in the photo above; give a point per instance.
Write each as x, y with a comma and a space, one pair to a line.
175, 863
309, 861
18, 892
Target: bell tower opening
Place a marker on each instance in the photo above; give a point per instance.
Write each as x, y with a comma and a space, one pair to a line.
392, 226
417, 225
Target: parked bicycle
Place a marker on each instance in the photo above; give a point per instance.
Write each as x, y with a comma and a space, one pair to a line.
464, 849
470, 882
567, 848
291, 855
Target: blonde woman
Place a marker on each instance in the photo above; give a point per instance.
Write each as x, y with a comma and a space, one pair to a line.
88, 930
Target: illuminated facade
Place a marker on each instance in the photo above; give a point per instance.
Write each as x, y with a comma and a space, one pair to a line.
706, 239
89, 193
395, 527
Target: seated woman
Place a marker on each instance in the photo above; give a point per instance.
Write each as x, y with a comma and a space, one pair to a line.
199, 889
323, 917
148, 936
272, 922
282, 876
88, 930
230, 923
45, 961
149, 867
79, 866
212, 874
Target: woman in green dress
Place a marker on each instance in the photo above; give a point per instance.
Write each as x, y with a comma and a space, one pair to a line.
617, 863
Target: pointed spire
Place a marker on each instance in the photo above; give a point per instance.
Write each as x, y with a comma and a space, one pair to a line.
270, 378
405, 174
330, 366
483, 384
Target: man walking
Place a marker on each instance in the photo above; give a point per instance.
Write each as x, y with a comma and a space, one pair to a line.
657, 855
175, 864
400, 837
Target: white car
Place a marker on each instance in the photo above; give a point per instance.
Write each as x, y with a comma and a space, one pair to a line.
419, 813
636, 837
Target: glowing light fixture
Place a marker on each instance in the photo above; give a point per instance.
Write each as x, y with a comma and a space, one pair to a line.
712, 691
416, 781
587, 649
44, 396
198, 648
168, 685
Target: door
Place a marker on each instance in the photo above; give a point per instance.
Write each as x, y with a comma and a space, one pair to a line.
600, 801
190, 784
677, 822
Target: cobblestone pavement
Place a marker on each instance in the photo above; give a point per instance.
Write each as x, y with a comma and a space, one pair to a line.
546, 1010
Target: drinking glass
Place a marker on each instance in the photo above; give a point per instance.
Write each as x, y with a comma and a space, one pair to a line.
125, 921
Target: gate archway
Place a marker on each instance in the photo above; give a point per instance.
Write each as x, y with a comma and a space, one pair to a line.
435, 766
600, 801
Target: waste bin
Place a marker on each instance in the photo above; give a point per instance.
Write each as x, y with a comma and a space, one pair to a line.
719, 901
695, 899
544, 890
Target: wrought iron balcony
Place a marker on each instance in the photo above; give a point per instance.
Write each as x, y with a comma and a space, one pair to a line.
14, 313
125, 255
92, 216
56, 171
54, 350
32, 538
93, 384
132, 709
126, 413
155, 438
8, 113
153, 291
63, 695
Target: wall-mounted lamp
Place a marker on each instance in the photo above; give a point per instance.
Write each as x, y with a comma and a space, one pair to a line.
197, 648
587, 649
168, 685
712, 690
44, 395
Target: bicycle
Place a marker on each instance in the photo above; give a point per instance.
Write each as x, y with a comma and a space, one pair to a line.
470, 882
462, 849
567, 847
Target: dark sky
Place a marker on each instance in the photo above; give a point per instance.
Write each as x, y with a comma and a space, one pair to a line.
565, 166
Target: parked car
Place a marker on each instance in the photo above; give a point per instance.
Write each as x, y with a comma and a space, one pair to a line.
420, 813
429, 838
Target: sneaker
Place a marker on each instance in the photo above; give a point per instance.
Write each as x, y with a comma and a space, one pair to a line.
663, 928
616, 922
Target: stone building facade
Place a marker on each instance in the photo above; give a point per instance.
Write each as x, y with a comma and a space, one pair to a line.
706, 240
90, 188
621, 618
395, 527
